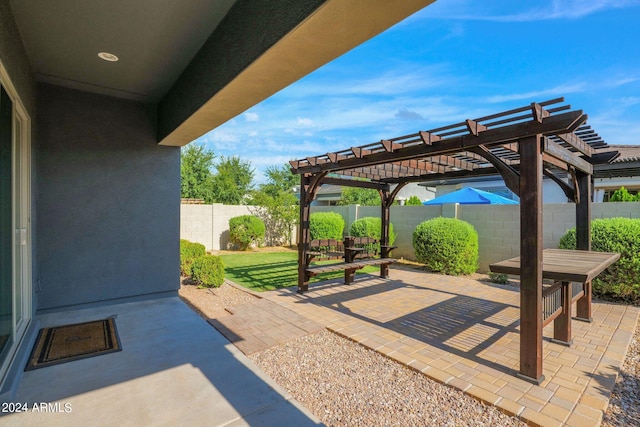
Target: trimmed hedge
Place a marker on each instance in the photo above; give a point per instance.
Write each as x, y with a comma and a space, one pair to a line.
246, 230
189, 251
208, 271
326, 225
370, 226
447, 245
621, 281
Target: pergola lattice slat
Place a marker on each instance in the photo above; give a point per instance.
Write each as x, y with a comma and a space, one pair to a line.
562, 123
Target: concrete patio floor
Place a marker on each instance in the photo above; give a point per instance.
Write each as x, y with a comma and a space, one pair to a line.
174, 369
465, 334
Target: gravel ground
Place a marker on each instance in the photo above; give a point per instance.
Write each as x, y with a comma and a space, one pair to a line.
345, 384
624, 407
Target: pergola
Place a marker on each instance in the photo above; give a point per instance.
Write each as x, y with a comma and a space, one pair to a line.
522, 145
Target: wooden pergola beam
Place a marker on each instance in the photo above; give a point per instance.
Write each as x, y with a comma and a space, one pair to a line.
531, 259
510, 175
555, 150
486, 171
568, 189
561, 123
355, 183
583, 238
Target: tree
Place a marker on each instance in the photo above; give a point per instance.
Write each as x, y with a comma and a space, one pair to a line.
359, 196
276, 204
233, 181
623, 195
196, 177
280, 215
413, 201
280, 179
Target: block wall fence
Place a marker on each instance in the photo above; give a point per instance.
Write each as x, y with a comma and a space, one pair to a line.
498, 226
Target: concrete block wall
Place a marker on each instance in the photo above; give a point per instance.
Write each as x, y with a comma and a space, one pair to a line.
498, 226
209, 224
196, 224
615, 210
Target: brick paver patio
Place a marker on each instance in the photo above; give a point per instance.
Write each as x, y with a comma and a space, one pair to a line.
257, 325
465, 334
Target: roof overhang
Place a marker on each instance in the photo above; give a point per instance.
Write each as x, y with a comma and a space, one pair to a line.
331, 30
202, 62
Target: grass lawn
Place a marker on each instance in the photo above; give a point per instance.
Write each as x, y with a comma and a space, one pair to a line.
265, 271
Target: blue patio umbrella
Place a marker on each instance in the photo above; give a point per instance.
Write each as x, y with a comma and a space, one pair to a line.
471, 196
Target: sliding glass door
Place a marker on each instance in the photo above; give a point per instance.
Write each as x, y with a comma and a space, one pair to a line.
15, 242
6, 223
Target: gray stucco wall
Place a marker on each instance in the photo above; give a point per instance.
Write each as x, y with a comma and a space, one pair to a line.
108, 200
14, 58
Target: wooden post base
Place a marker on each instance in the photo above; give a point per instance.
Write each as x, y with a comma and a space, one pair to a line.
536, 381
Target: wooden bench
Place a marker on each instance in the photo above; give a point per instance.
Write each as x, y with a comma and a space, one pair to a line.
357, 253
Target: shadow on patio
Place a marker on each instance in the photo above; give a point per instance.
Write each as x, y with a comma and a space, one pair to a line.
465, 334
174, 369
460, 324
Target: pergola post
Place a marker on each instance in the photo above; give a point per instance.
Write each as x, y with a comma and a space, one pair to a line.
304, 235
583, 238
384, 231
530, 149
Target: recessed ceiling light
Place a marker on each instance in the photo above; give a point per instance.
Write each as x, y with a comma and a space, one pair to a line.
108, 56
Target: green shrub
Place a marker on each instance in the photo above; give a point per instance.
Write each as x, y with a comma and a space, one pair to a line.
370, 226
326, 225
621, 281
413, 201
499, 278
208, 271
188, 252
623, 195
246, 230
448, 245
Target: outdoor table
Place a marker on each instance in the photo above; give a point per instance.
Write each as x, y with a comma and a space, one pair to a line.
564, 267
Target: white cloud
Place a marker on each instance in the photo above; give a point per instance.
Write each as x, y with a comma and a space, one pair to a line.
251, 117
305, 122
498, 11
560, 90
401, 78
621, 81
406, 114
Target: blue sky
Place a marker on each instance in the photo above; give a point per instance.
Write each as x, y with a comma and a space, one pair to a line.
454, 60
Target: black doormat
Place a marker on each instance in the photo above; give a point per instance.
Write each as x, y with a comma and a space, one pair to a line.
72, 342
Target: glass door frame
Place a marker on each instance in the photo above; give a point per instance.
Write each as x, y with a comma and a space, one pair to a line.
21, 223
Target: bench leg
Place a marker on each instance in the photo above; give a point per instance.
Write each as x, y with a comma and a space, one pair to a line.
562, 323
349, 274
303, 282
384, 271
583, 305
